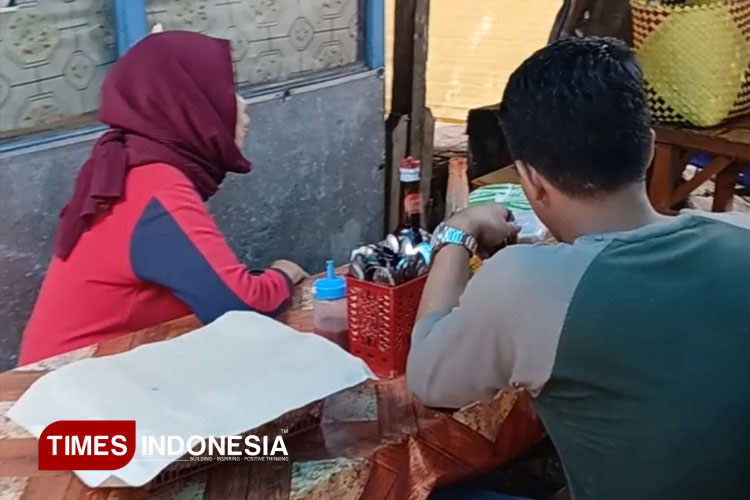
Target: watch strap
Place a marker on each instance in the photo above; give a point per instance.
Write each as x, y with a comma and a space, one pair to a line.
449, 235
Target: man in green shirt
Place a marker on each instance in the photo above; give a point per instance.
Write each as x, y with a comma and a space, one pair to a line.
632, 334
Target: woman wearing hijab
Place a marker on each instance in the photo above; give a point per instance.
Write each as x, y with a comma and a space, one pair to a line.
135, 245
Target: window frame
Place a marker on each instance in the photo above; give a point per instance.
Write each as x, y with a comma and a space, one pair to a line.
130, 25
129, 17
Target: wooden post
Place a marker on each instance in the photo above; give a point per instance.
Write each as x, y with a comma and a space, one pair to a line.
425, 155
725, 184
419, 80
396, 147
663, 177
408, 95
403, 57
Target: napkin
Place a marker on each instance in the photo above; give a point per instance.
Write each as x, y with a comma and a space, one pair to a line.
231, 376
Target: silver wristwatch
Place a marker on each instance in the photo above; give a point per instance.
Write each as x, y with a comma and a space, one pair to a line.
448, 235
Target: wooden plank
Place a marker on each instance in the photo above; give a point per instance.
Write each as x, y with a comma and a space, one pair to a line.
48, 488
78, 491
396, 413
466, 447
350, 439
12, 488
662, 177
228, 481
389, 474
403, 57
147, 337
14, 383
408, 95
728, 139
397, 142
418, 112
719, 164
425, 175
269, 481
114, 345
726, 181
163, 331
13, 449
18, 458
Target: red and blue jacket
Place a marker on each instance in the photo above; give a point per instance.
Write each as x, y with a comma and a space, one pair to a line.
156, 256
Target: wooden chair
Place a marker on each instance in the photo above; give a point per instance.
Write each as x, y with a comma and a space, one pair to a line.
729, 144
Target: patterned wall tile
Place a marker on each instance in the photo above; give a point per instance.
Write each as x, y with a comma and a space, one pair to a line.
54, 53
271, 39
53, 56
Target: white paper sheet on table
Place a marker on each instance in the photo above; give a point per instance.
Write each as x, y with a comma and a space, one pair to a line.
226, 378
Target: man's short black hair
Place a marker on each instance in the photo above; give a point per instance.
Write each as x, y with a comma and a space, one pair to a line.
576, 111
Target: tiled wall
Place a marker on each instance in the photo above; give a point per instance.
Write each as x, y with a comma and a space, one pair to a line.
55, 53
53, 57
271, 39
474, 46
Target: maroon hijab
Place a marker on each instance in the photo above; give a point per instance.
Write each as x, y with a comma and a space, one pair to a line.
169, 99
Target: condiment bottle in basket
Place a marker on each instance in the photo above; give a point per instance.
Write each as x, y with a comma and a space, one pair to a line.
329, 307
411, 198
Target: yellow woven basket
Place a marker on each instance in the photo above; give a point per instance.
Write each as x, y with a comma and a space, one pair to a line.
695, 56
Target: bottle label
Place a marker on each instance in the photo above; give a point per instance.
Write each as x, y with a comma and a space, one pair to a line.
412, 203
409, 174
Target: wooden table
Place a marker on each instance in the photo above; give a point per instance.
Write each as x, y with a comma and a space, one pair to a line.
729, 143
375, 441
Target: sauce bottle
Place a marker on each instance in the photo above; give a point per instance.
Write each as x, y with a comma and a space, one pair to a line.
411, 197
329, 307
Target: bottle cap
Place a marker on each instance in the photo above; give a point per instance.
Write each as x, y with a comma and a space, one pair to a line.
331, 287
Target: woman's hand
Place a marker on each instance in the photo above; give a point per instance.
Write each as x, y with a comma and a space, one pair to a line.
293, 271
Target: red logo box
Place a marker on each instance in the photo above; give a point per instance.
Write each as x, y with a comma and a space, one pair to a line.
87, 445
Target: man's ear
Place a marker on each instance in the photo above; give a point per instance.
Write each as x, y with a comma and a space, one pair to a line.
531, 181
158, 28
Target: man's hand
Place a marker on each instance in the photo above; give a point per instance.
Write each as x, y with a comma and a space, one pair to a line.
491, 224
295, 273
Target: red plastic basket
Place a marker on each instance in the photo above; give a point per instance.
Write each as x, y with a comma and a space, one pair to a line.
380, 322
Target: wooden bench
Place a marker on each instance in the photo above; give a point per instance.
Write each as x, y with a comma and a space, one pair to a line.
729, 144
